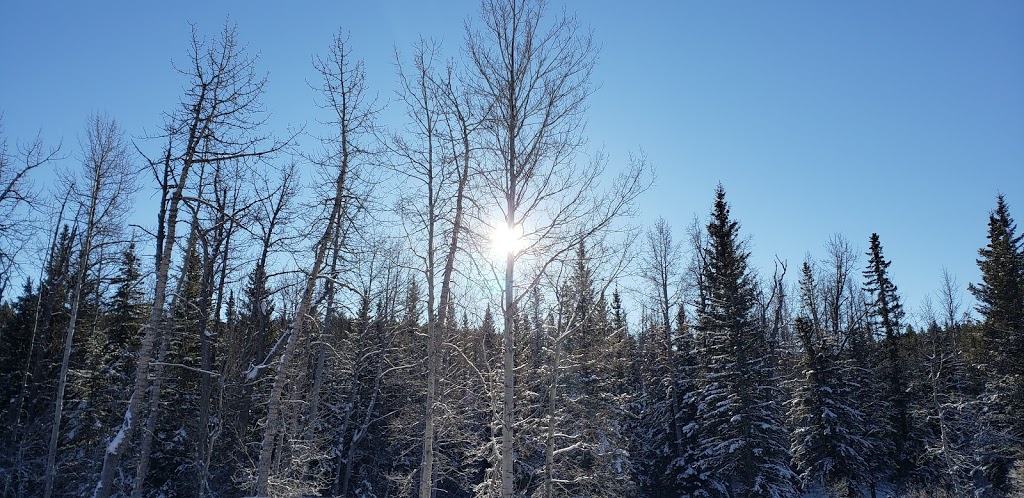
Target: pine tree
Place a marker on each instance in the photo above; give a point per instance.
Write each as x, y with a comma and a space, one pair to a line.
743, 441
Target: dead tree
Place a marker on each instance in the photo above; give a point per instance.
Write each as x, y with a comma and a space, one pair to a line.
343, 91
218, 120
101, 194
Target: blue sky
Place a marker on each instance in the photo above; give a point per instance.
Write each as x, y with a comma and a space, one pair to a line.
902, 118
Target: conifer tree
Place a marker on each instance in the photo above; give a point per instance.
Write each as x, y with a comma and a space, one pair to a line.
1000, 297
127, 309
1000, 294
743, 441
15, 349
885, 315
829, 442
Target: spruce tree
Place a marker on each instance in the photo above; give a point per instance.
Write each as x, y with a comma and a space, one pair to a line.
743, 441
1000, 294
125, 315
885, 315
828, 442
1000, 297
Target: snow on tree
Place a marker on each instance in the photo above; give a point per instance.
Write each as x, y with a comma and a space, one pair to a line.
743, 448
829, 443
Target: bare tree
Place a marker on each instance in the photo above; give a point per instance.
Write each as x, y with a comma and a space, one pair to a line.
836, 287
222, 213
343, 91
433, 157
248, 354
951, 301
18, 192
101, 193
533, 76
661, 268
218, 120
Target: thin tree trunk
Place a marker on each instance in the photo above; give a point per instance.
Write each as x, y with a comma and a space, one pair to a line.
157, 384
437, 321
149, 431
508, 398
58, 404
222, 243
205, 381
321, 355
549, 450
427, 468
76, 297
295, 330
17, 438
339, 475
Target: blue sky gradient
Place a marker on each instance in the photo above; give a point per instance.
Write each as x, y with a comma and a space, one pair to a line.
902, 118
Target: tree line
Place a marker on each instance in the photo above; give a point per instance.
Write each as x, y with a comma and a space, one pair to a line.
300, 332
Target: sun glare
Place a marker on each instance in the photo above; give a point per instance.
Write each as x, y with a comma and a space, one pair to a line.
507, 240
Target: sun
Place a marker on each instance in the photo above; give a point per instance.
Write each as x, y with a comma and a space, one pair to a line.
507, 240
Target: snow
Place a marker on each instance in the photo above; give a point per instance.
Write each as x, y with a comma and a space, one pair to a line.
114, 443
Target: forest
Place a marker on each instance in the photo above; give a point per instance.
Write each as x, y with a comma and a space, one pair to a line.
463, 305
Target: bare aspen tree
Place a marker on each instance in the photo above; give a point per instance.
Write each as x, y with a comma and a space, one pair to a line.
951, 301
218, 119
662, 260
272, 217
101, 193
838, 267
225, 206
343, 92
533, 73
432, 155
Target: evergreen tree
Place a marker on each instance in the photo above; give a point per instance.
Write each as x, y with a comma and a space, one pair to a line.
581, 407
1000, 293
743, 441
885, 314
127, 309
829, 442
15, 349
1000, 297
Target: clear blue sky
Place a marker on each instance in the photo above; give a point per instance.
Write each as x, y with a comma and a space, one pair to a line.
903, 118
